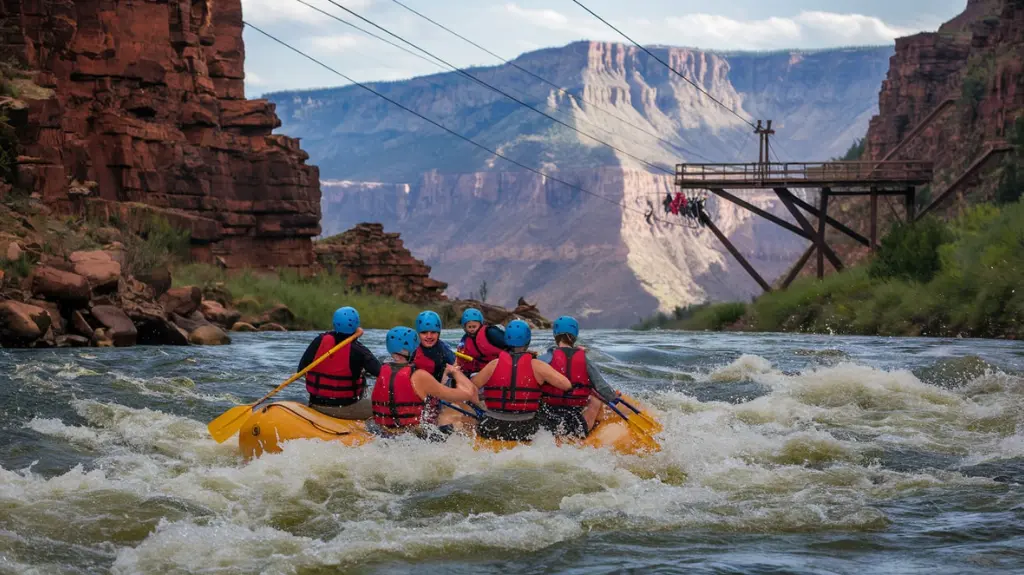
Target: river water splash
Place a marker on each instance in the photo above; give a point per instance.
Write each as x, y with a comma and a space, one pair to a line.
782, 454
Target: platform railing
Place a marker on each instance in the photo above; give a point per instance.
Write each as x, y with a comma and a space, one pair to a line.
811, 172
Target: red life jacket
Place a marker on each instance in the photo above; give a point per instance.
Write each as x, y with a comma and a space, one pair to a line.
423, 361
572, 363
333, 378
480, 349
395, 403
513, 387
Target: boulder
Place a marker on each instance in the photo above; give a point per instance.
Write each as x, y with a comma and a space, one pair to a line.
72, 341
119, 326
191, 323
53, 284
13, 252
98, 267
21, 323
278, 314
242, 326
156, 331
56, 321
79, 323
209, 335
2, 277
272, 327
217, 313
182, 301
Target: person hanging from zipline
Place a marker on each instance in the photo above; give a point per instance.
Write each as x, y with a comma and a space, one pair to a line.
667, 202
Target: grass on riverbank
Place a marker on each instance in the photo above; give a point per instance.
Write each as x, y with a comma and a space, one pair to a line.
965, 278
312, 300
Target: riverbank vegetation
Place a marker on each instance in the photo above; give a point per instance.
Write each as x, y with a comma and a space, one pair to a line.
311, 299
933, 278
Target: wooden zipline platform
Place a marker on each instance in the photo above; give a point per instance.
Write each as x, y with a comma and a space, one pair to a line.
834, 178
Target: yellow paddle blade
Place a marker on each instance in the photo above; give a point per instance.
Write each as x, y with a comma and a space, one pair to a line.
641, 423
649, 422
228, 424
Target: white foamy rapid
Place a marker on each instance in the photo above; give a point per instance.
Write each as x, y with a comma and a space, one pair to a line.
147, 491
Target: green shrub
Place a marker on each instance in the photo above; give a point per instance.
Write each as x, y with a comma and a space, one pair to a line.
911, 251
312, 300
158, 244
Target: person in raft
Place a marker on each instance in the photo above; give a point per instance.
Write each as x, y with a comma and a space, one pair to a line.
432, 355
571, 413
512, 388
401, 393
336, 386
482, 341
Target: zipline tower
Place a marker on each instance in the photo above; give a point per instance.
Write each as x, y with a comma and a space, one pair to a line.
834, 179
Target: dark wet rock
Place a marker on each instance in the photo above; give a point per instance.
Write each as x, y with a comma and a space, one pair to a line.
80, 324
192, 322
159, 280
119, 326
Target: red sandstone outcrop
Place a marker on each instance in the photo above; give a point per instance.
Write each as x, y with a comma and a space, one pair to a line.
975, 60
145, 100
377, 262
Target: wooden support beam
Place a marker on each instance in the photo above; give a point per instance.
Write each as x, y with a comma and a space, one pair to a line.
766, 215
787, 198
879, 192
798, 266
874, 220
735, 253
822, 221
831, 221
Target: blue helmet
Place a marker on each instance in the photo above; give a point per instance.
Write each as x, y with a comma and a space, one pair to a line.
428, 321
346, 320
401, 340
472, 314
566, 324
517, 334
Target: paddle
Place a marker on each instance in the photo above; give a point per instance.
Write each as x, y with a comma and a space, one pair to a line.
461, 355
646, 431
458, 409
652, 424
233, 419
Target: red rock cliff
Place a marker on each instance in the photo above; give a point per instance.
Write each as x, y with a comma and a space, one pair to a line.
975, 61
146, 99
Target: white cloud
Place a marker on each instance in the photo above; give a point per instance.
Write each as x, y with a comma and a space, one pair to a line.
339, 43
712, 31
806, 29
853, 28
551, 20
277, 11
253, 79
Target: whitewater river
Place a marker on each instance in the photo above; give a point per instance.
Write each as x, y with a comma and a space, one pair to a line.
782, 454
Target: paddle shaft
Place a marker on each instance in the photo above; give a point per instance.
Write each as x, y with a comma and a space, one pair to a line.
459, 409
315, 363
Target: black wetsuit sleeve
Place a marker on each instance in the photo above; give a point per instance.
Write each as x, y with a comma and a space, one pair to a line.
310, 354
363, 359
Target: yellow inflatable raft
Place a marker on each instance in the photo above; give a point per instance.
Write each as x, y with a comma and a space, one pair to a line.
273, 424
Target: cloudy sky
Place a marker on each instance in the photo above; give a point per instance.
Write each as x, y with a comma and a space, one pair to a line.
509, 28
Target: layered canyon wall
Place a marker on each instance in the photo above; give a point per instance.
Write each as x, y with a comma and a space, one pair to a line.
473, 217
142, 104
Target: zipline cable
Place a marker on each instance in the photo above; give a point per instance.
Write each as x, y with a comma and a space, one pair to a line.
393, 102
